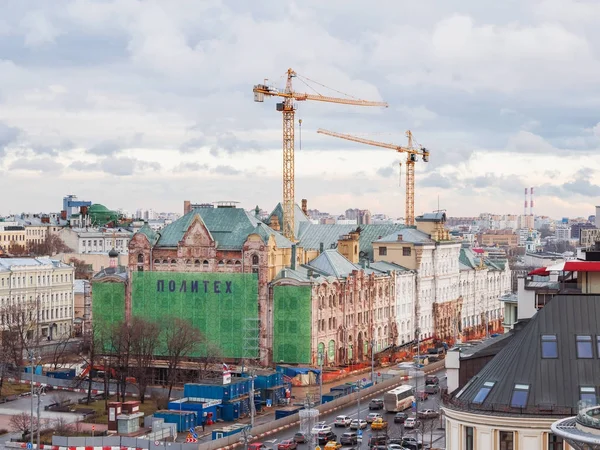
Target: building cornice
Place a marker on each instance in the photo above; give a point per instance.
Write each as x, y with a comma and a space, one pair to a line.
500, 421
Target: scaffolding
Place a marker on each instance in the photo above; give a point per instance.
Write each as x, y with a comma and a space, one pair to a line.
309, 418
250, 339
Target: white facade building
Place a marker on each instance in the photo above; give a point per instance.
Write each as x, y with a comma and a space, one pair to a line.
96, 240
42, 286
563, 233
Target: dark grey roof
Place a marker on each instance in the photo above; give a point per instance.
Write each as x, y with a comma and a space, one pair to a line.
438, 216
553, 382
488, 347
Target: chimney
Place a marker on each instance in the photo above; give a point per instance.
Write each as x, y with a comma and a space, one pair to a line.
399, 237
84, 210
63, 215
187, 206
304, 207
309, 273
348, 247
274, 223
293, 262
321, 247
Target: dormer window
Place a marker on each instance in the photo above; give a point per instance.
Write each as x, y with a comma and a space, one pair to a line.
549, 346
519, 396
483, 392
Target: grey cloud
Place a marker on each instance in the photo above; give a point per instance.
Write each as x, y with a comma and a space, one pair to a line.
193, 144
190, 167
38, 165
84, 166
126, 166
385, 172
228, 142
105, 148
436, 180
8, 135
143, 165
226, 170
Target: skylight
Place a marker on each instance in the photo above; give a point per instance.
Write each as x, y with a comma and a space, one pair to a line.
483, 392
519, 396
549, 346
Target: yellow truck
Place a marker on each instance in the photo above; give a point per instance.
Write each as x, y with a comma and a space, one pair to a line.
379, 424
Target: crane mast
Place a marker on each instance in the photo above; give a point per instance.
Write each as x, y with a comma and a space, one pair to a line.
411, 158
287, 108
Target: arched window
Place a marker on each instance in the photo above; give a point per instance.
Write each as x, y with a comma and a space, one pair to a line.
221, 263
173, 262
254, 260
229, 262
205, 264
188, 262
165, 261
197, 262
238, 263
157, 261
141, 258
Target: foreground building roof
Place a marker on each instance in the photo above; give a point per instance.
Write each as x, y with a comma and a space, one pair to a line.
540, 368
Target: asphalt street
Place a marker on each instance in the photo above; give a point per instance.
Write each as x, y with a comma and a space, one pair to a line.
433, 430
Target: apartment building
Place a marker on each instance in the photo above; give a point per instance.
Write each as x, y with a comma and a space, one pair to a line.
41, 286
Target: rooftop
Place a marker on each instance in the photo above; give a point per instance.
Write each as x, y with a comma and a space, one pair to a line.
11, 263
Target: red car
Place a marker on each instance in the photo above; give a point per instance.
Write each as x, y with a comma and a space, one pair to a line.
257, 446
288, 444
422, 396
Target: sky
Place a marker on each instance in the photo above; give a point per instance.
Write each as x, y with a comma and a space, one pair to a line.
145, 104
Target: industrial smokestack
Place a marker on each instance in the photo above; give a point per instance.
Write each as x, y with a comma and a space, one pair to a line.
525, 204
531, 205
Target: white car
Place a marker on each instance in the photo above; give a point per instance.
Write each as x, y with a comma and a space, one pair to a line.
342, 421
372, 416
321, 427
356, 424
411, 422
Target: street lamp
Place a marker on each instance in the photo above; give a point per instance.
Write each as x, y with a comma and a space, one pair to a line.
32, 359
373, 361
320, 357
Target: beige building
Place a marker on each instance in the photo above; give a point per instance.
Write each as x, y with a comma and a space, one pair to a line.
504, 238
11, 233
42, 286
589, 237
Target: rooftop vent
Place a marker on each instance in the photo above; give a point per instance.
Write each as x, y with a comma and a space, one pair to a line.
225, 204
399, 237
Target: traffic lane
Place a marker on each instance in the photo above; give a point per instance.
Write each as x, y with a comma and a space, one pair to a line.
352, 410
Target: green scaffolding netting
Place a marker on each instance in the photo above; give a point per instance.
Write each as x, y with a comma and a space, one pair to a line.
292, 324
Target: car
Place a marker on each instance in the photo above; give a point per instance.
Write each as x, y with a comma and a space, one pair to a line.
342, 421
427, 414
257, 446
321, 427
432, 389
372, 416
358, 424
376, 403
287, 444
400, 417
333, 445
380, 439
326, 436
432, 379
421, 396
300, 438
411, 422
411, 442
379, 424
395, 447
350, 438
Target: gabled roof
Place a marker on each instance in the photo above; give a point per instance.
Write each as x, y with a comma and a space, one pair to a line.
312, 235
331, 262
384, 266
229, 227
410, 235
299, 217
553, 382
438, 216
149, 233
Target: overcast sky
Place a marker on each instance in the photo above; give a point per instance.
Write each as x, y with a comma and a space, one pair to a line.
143, 104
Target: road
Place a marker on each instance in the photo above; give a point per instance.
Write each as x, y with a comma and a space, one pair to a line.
433, 432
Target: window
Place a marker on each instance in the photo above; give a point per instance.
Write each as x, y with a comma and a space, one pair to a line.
141, 258
555, 442
483, 392
506, 440
549, 346
519, 396
587, 394
405, 251
254, 260
382, 251
584, 346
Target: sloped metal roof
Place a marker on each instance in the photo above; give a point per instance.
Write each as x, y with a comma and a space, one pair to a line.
553, 382
299, 217
410, 235
312, 235
331, 262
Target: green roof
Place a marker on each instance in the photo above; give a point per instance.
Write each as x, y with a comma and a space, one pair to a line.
331, 262
229, 227
312, 235
299, 217
150, 233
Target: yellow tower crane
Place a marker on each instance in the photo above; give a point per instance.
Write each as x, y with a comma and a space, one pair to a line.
411, 157
288, 108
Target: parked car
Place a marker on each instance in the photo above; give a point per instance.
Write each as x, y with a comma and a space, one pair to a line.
395, 447
428, 414
379, 424
326, 436
400, 417
432, 389
287, 444
257, 446
411, 422
432, 379
376, 403
358, 424
350, 438
412, 443
372, 416
300, 438
421, 396
321, 427
342, 421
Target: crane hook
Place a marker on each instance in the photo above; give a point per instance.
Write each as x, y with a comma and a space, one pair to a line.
300, 132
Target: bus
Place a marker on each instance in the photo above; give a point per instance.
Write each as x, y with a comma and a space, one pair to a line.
399, 399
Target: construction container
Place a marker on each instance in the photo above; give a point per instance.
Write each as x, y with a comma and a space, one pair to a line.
238, 388
130, 407
332, 396
228, 430
202, 409
345, 389
61, 374
231, 411
183, 419
288, 411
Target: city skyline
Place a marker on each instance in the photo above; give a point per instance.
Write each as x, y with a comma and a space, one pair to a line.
150, 105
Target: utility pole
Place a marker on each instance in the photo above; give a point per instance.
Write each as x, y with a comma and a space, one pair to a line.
359, 384
373, 361
39, 399
31, 359
252, 407
320, 356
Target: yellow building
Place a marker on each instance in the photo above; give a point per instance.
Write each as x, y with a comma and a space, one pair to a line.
11, 233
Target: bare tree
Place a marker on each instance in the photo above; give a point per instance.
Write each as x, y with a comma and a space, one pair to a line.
119, 338
15, 249
180, 339
83, 270
20, 333
20, 423
144, 344
93, 345
210, 354
62, 351
50, 246
62, 427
